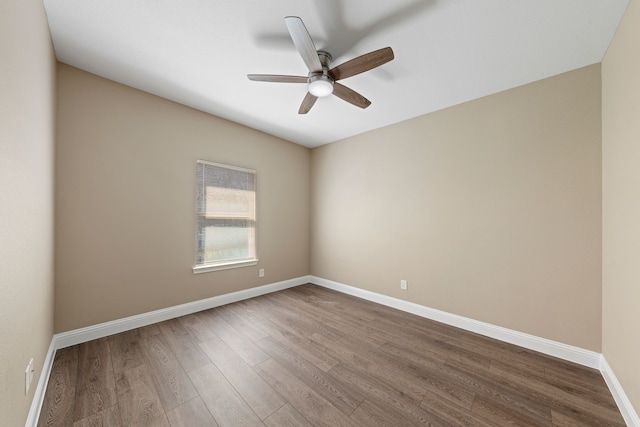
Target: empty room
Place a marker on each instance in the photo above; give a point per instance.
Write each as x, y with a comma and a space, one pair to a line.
425, 212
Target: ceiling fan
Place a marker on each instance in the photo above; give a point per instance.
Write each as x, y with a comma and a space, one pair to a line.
322, 80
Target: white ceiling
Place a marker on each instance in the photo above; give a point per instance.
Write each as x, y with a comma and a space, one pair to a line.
198, 53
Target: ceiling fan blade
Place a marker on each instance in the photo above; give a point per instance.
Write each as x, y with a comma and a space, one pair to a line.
304, 43
307, 103
362, 63
350, 95
277, 78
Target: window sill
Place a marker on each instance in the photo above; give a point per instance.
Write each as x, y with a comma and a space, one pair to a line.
216, 267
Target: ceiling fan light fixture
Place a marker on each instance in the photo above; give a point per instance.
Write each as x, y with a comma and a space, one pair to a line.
320, 85
321, 78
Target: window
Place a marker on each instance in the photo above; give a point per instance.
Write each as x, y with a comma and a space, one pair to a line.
226, 217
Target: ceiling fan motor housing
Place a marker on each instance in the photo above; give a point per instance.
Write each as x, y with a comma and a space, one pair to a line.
320, 83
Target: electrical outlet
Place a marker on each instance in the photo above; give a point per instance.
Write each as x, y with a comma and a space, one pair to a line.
403, 285
261, 272
28, 376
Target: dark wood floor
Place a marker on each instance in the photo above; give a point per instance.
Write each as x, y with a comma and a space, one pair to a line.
311, 356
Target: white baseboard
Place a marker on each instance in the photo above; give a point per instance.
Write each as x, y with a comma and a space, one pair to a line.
38, 396
624, 404
542, 345
78, 336
578, 355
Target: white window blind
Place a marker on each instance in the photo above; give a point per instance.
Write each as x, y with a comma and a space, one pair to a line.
226, 216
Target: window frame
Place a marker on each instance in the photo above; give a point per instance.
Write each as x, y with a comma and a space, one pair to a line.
231, 263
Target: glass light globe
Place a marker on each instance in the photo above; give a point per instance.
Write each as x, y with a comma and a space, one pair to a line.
320, 86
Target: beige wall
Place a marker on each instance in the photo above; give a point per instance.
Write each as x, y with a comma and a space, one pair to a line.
125, 201
490, 209
621, 204
27, 79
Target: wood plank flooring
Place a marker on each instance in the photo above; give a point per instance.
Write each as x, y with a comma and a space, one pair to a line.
309, 356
